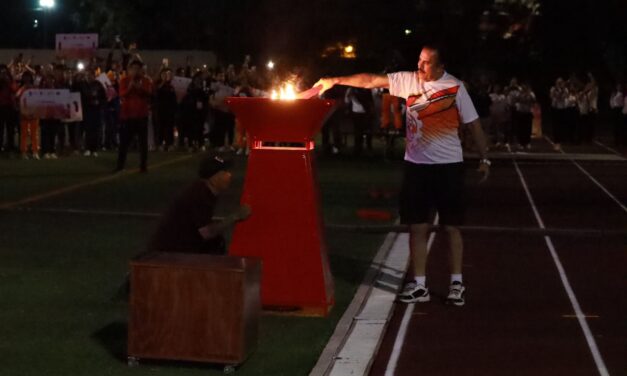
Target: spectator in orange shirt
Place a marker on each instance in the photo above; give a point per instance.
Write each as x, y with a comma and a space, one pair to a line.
135, 94
29, 124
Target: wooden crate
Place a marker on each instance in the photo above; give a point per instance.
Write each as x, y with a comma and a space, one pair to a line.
194, 307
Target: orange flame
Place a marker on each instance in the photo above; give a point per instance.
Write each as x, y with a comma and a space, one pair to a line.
287, 92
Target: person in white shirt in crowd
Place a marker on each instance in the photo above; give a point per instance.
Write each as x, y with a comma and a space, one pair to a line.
590, 96
571, 111
437, 105
617, 102
559, 94
522, 116
500, 117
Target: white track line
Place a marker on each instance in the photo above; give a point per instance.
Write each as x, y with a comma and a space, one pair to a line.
331, 360
596, 355
593, 179
607, 148
402, 330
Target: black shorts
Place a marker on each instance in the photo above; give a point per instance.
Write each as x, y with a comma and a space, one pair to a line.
433, 187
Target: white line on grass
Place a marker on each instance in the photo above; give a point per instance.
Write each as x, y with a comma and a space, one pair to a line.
596, 355
73, 187
402, 330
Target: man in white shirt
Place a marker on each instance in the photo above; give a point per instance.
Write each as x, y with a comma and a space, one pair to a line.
437, 104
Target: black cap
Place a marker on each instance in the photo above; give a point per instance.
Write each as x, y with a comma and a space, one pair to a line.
212, 165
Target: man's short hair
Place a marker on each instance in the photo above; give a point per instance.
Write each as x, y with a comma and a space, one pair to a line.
437, 47
213, 164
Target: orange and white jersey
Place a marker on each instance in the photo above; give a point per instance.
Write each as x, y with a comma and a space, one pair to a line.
435, 110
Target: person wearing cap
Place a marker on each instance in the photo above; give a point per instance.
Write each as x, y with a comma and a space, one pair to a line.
188, 225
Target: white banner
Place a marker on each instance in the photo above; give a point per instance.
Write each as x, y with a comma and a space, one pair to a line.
76, 46
76, 108
51, 104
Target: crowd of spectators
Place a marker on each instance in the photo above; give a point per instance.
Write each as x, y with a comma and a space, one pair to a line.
196, 118
191, 118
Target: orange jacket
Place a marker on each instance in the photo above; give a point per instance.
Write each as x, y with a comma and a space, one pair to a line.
135, 101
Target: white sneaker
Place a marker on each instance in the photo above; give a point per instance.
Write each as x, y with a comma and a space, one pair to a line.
47, 156
413, 293
87, 153
456, 294
53, 156
36, 156
95, 155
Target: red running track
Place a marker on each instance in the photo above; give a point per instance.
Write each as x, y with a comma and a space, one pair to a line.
518, 318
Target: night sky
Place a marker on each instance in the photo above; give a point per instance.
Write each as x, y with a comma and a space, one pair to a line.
533, 36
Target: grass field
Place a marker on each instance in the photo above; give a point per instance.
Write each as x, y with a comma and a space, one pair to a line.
59, 271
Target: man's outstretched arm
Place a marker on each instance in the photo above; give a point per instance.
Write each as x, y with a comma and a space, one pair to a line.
362, 80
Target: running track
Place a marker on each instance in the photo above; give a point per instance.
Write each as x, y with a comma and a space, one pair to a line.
535, 305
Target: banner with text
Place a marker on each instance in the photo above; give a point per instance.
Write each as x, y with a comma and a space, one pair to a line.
76, 46
51, 104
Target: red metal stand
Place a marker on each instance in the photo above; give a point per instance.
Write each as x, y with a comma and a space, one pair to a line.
285, 229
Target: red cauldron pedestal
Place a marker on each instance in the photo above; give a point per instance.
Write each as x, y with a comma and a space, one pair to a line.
286, 228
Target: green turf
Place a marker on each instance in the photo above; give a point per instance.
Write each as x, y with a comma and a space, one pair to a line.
58, 272
22, 178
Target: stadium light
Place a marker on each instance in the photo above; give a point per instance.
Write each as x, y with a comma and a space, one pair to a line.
270, 65
46, 4
80, 66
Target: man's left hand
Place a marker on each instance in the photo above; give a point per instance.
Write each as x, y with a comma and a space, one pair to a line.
484, 169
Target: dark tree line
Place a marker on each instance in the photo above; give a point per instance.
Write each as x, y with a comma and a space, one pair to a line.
540, 36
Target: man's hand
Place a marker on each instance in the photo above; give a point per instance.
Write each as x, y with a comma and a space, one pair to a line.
215, 228
484, 168
326, 84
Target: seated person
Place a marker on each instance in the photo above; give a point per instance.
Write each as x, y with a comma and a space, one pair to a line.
187, 225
